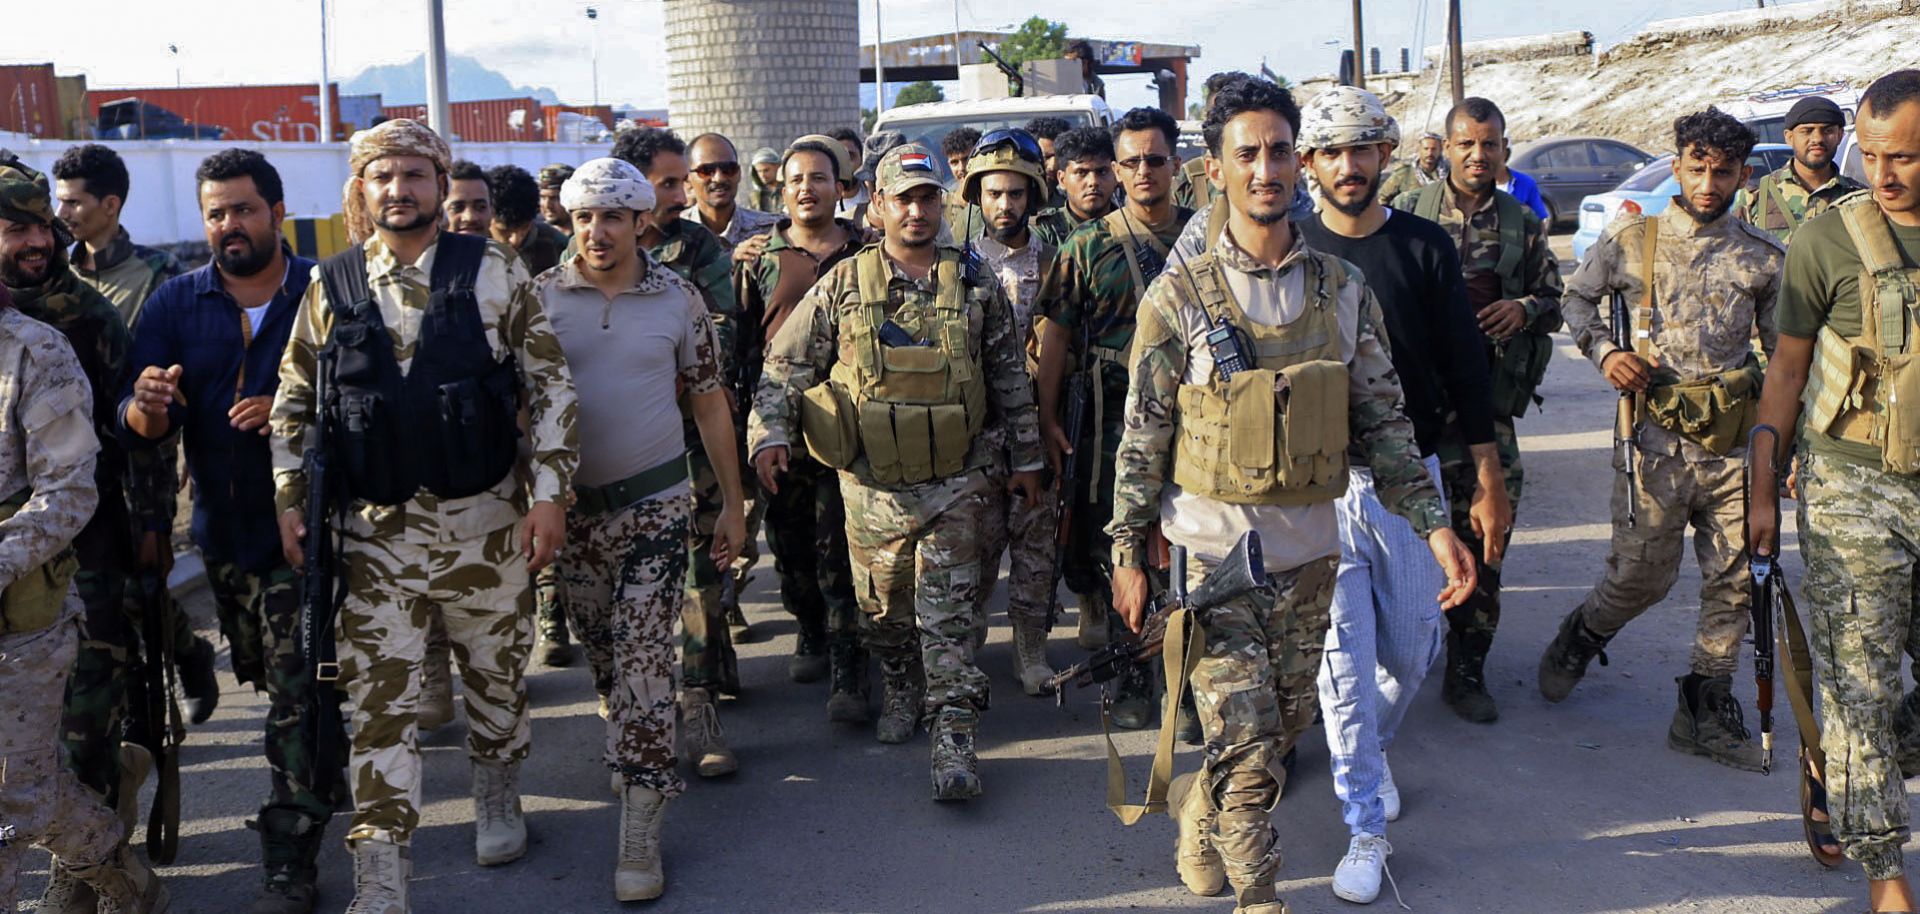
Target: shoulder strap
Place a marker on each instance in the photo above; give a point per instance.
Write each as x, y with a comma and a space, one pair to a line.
1772, 197
456, 262
1872, 240
870, 271
344, 277
1426, 201
1513, 242
1217, 214
1649, 243
1118, 227
1215, 300
1885, 331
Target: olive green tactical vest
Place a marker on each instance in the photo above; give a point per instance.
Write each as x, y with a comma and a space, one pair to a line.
1867, 389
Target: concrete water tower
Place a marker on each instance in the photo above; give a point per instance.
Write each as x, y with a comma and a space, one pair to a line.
762, 72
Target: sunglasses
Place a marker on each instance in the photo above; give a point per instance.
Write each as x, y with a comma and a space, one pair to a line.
718, 168
1023, 143
1153, 161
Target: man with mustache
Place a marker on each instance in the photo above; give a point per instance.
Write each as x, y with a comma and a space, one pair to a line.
469, 200
713, 169
1083, 159
206, 355
1702, 284
1513, 285
1847, 297
1090, 299
438, 343
1811, 181
708, 663
890, 369
1424, 169
551, 178
806, 519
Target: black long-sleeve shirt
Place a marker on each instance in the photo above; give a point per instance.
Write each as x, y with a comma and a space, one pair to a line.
1438, 350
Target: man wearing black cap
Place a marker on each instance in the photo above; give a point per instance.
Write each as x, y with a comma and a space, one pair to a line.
1806, 186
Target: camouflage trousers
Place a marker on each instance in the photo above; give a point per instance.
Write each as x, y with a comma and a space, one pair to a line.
1859, 527
41, 799
916, 571
707, 659
547, 609
481, 588
1691, 488
1026, 533
106, 672
622, 579
1255, 689
1480, 614
260, 618
807, 534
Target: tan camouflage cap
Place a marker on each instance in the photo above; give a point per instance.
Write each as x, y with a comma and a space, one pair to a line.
555, 175
398, 137
905, 167
607, 184
1346, 116
820, 142
25, 195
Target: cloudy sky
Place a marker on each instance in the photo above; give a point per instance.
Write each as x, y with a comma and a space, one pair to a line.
123, 43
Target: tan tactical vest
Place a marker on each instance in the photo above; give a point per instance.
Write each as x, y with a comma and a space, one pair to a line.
1276, 434
1867, 389
912, 410
32, 602
1716, 411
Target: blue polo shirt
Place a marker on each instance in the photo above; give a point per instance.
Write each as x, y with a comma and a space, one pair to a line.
192, 322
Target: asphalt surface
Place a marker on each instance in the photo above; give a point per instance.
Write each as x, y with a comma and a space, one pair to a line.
1573, 808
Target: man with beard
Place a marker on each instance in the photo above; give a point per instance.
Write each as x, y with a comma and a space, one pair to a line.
714, 177
806, 519
206, 354
516, 219
90, 187
1811, 182
1702, 284
469, 200
907, 329
551, 178
1513, 284
1004, 183
97, 712
1089, 299
435, 512
1386, 623
1046, 131
1423, 170
708, 663
1084, 158
633, 332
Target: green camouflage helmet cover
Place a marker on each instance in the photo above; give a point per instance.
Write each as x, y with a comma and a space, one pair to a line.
26, 196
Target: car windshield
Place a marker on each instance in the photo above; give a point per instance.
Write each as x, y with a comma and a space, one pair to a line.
1649, 177
930, 132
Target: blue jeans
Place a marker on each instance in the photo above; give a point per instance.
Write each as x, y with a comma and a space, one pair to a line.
1386, 634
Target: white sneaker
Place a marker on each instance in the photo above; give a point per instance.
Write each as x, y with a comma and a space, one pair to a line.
1357, 878
1389, 791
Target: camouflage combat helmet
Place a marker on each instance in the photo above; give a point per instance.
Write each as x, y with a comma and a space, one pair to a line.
26, 196
1005, 156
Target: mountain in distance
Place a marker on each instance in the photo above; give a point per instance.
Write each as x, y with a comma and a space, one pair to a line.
467, 80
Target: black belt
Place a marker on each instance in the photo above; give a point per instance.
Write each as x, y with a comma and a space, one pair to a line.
592, 500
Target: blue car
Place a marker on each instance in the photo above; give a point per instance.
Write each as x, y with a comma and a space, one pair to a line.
1651, 188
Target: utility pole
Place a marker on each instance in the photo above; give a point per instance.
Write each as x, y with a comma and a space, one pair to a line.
957, 58
593, 16
1359, 50
1453, 51
326, 97
439, 113
879, 68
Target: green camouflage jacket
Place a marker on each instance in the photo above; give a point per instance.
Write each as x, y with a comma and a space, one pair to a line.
1478, 238
126, 273
1091, 280
1780, 204
1053, 224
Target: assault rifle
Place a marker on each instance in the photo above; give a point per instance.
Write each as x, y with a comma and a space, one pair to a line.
1624, 435
1242, 570
164, 731
1067, 485
1016, 84
1765, 591
320, 583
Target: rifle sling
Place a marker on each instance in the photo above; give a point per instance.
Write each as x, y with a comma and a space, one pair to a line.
164, 727
1185, 644
1791, 639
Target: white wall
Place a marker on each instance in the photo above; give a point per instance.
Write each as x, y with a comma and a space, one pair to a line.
162, 206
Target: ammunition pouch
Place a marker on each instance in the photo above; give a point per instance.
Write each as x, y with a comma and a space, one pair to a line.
34, 600
1519, 364
829, 425
1715, 412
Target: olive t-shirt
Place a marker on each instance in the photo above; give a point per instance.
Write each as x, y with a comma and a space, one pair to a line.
1821, 287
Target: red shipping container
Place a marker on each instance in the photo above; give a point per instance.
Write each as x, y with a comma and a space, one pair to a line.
29, 101
604, 113
493, 120
249, 114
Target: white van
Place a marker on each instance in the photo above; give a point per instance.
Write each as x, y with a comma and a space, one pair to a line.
930, 123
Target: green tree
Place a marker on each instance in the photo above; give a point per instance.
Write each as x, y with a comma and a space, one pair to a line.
867, 117
1037, 39
917, 93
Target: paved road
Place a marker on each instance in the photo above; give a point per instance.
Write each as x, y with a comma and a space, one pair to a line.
1571, 809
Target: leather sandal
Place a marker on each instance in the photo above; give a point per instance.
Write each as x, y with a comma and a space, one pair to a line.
1819, 834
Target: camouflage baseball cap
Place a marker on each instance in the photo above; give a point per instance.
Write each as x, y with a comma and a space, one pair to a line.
25, 195
905, 167
552, 176
1346, 116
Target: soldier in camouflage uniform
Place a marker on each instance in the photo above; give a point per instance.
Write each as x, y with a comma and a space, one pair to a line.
98, 711
1255, 680
1513, 285
1084, 161
908, 329
806, 520
1849, 286
1811, 181
1713, 281
763, 180
551, 177
1090, 298
472, 555
634, 329
47, 452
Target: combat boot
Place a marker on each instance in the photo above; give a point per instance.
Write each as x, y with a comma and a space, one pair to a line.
1093, 622
198, 687
436, 688
639, 876
1133, 704
134, 762
1194, 858
1566, 658
65, 894
737, 627
848, 703
706, 743
809, 660
1186, 723
1709, 722
900, 704
124, 884
499, 825
1030, 657
380, 872
556, 646
956, 773
290, 847
1465, 686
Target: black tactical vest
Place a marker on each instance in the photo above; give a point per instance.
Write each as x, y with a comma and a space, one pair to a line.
448, 425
